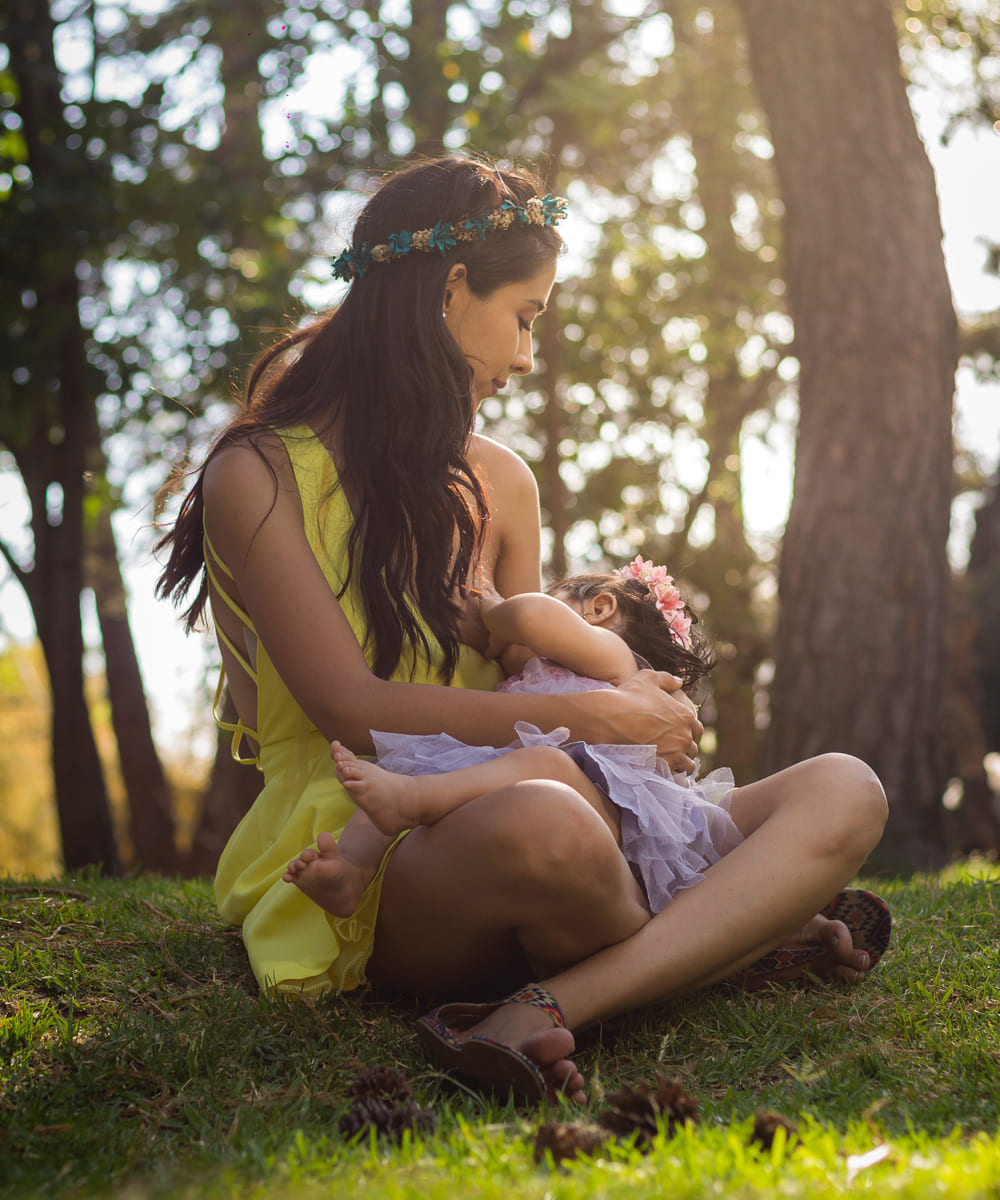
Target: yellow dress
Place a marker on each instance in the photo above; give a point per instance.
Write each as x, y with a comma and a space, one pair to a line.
293, 945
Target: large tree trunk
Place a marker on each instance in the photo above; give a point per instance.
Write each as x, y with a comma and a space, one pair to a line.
52, 459
151, 823
232, 789
864, 576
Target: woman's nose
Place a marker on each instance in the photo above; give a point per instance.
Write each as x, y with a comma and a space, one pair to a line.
524, 361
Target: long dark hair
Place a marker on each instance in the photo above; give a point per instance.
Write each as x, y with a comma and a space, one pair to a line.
642, 627
385, 365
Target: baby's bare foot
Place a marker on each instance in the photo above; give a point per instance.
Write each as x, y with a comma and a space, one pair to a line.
392, 802
327, 878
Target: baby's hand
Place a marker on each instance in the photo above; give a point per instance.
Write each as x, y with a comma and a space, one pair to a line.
495, 647
472, 631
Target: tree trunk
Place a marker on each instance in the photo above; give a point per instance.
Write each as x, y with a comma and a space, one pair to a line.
556, 499
974, 825
151, 824
864, 575
430, 109
53, 461
232, 789
709, 60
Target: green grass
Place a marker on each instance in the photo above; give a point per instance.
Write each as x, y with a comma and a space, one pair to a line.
137, 1058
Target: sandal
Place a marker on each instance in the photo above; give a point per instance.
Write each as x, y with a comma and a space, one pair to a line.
489, 1063
865, 915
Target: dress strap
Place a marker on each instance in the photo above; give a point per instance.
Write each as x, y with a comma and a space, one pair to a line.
236, 728
211, 557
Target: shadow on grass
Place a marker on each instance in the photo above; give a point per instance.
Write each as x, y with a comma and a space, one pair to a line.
134, 1045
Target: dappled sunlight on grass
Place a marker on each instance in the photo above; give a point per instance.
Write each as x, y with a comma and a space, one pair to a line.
137, 1054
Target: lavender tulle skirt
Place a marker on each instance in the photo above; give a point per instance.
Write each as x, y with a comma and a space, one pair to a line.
673, 827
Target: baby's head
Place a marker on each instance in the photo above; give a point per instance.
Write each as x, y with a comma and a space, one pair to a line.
640, 603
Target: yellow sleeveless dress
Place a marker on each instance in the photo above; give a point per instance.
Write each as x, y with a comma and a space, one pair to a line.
293, 945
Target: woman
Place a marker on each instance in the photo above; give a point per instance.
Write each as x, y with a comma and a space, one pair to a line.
340, 520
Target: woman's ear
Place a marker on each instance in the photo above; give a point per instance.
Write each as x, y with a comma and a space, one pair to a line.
601, 609
456, 286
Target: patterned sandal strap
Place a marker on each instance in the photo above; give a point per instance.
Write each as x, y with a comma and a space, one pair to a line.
538, 997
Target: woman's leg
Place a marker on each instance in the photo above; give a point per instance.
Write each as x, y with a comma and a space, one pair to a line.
529, 871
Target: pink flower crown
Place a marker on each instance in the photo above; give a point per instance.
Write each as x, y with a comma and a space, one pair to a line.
664, 595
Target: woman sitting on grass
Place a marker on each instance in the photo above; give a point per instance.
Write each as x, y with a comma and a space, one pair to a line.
336, 529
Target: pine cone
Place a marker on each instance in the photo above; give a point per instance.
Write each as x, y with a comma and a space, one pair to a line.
382, 1100
567, 1141
767, 1124
379, 1082
634, 1110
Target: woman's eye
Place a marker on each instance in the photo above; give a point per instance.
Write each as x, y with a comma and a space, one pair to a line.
525, 325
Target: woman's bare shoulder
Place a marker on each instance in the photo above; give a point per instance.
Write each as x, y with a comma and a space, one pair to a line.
247, 483
505, 472
247, 465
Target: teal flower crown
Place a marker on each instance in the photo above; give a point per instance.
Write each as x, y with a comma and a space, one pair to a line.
539, 210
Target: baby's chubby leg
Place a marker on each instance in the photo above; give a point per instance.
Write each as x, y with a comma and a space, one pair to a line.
398, 802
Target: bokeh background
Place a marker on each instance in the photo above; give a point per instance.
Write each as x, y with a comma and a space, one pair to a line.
770, 360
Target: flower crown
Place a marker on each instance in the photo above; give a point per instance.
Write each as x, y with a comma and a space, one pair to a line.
664, 595
538, 210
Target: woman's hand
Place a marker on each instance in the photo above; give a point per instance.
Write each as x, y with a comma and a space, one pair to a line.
658, 713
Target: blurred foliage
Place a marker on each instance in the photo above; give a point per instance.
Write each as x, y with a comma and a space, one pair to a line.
209, 152
29, 833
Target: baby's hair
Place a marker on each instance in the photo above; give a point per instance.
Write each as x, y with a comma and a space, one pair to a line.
643, 628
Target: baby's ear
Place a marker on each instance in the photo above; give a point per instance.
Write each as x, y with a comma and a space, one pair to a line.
603, 608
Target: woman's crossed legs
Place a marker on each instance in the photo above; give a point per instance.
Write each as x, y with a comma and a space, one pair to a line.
532, 872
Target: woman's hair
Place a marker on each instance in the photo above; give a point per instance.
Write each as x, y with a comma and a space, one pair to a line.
642, 626
385, 367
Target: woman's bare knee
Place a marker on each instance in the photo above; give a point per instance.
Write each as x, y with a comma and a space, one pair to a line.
550, 836
854, 804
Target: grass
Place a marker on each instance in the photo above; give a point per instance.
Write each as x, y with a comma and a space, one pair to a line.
137, 1058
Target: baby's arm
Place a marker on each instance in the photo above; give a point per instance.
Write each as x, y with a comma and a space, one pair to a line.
554, 630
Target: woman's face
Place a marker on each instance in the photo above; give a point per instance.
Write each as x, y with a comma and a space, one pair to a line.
494, 331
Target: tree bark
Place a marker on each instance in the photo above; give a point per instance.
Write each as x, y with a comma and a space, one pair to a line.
864, 575
151, 823
53, 458
232, 789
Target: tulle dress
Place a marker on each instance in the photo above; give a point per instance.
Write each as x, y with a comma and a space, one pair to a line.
673, 827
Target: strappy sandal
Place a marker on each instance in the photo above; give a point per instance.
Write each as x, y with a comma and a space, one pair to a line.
865, 915
489, 1063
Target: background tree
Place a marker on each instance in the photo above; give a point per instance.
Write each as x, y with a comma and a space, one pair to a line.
864, 572
204, 180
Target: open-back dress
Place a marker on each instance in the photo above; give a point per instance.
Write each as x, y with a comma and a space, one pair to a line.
293, 944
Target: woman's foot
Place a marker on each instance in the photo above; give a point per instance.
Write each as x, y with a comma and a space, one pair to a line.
328, 878
392, 802
840, 958
531, 1031
846, 939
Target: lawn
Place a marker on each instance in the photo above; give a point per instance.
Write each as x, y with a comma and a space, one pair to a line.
137, 1058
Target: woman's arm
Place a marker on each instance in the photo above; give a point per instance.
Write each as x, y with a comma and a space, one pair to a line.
512, 554
554, 630
260, 536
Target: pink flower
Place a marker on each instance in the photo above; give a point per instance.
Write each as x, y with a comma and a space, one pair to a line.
663, 594
667, 596
680, 626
